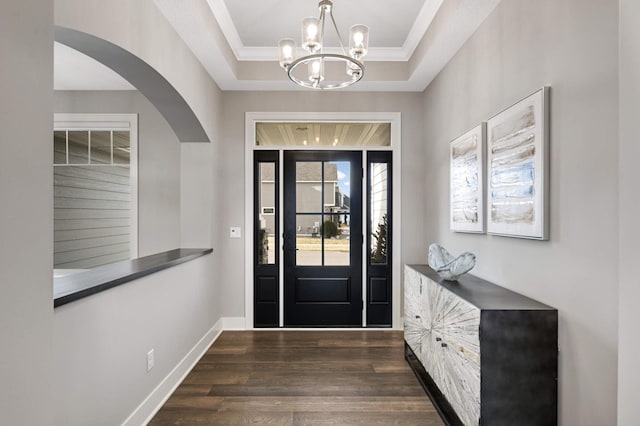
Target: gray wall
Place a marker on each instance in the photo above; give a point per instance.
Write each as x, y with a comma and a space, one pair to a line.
158, 163
101, 343
172, 310
231, 173
572, 47
629, 249
26, 215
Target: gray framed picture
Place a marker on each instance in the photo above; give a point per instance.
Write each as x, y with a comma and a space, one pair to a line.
517, 169
466, 176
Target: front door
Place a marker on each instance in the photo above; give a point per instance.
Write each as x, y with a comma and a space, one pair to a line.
322, 239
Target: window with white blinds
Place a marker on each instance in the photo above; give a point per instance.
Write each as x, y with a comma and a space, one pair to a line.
95, 189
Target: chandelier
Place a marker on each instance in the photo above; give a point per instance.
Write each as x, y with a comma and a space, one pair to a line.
320, 70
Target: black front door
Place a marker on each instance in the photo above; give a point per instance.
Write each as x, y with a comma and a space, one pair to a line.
322, 239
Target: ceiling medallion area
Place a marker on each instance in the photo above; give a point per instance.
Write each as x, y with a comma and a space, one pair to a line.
320, 70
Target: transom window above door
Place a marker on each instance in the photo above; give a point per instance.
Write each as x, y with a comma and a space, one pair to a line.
323, 134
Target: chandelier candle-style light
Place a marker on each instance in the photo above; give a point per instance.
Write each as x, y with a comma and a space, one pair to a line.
324, 70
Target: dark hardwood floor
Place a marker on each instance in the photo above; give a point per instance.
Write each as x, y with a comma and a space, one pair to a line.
301, 378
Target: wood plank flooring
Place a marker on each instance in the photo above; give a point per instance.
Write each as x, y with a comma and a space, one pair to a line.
301, 378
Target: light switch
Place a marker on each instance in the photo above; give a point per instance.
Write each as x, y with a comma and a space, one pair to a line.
235, 232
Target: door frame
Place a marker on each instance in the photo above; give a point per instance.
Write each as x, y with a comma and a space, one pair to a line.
251, 118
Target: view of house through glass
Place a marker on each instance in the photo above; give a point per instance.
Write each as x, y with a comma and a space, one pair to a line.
322, 213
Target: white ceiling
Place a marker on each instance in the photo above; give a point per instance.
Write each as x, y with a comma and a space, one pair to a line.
254, 30
410, 40
252, 36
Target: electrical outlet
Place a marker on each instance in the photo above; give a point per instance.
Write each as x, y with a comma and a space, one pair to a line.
151, 360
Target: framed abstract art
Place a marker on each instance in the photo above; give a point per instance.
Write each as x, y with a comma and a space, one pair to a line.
517, 169
466, 176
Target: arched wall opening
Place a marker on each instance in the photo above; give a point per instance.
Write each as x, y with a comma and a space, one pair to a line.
143, 77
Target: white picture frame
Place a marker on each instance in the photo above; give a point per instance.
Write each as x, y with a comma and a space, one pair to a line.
517, 169
466, 178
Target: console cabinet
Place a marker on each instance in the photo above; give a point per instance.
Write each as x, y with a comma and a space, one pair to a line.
485, 355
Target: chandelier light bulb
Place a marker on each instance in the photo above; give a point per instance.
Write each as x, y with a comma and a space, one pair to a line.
311, 41
357, 38
312, 31
316, 71
358, 41
287, 48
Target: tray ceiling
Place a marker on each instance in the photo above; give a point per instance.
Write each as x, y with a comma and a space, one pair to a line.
410, 41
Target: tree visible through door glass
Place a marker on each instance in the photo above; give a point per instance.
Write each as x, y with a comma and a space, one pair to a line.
378, 214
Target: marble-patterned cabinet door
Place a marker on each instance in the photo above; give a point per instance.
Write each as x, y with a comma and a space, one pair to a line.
415, 330
461, 356
443, 332
432, 356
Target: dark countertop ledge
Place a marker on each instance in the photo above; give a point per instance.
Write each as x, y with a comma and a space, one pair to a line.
74, 287
484, 294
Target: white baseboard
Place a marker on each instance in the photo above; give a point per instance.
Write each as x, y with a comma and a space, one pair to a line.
233, 323
156, 399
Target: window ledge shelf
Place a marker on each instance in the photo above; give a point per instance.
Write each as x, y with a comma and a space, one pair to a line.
74, 287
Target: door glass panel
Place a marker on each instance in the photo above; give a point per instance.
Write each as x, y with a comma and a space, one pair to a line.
336, 207
337, 247
337, 183
308, 187
308, 240
330, 186
378, 214
100, 147
267, 214
60, 147
78, 147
